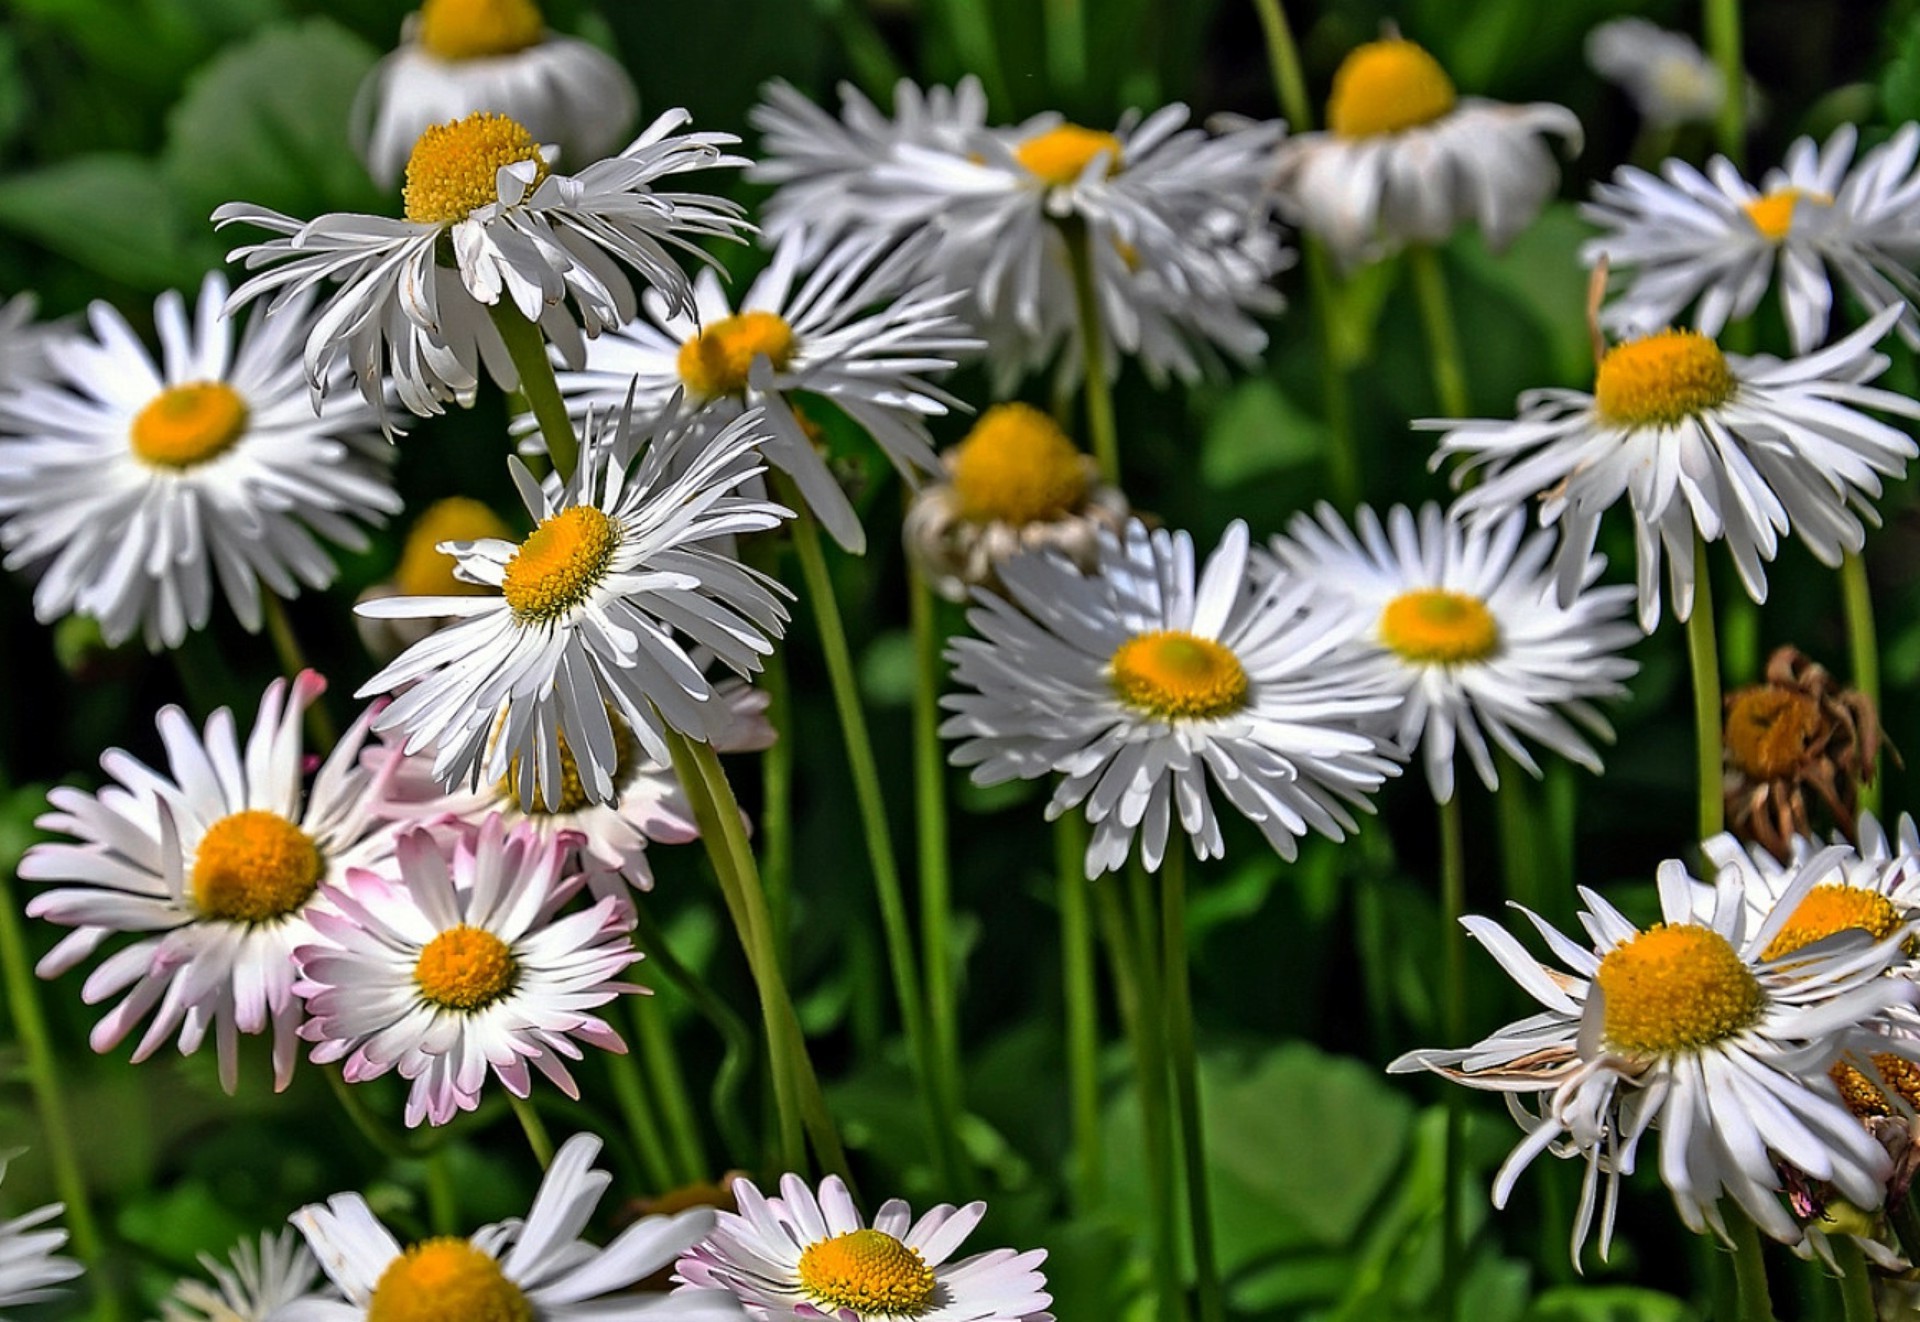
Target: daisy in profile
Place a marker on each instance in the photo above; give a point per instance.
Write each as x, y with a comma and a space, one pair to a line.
1665, 74
807, 1256
519, 237
133, 487
30, 1265
252, 1287
594, 617
1701, 444
519, 1269
1404, 159
1712, 243
459, 56
1464, 623
1698, 1029
1143, 688
217, 864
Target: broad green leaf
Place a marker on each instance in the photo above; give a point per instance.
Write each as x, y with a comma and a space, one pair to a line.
1257, 430
112, 213
1608, 1303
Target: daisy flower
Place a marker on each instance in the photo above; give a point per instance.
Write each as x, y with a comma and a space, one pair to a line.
427, 571
1406, 160
1697, 1027
536, 1268
1874, 887
462, 966
1714, 243
594, 616
1665, 74
252, 1287
1462, 621
459, 56
29, 1263
1703, 445
132, 486
1139, 687
482, 192
217, 863
802, 1256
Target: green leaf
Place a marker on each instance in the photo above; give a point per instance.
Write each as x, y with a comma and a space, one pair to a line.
1608, 1303
112, 213
1900, 83
1257, 430
1542, 273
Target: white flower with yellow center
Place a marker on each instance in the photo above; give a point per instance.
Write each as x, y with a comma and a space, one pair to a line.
487, 218
1874, 887
30, 1268
1740, 450
1698, 1027
1714, 243
258, 1282
802, 1256
1463, 622
459, 56
1404, 159
515, 1271
424, 570
1667, 76
593, 616
1146, 691
217, 863
133, 487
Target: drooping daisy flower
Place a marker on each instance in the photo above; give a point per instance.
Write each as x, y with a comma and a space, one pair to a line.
510, 1272
460, 56
217, 863
1142, 688
1666, 75
1701, 443
1714, 243
134, 486
596, 612
481, 191
463, 967
802, 1256
1692, 1028
1463, 622
1405, 160
858, 327
427, 571
257, 1283
29, 1261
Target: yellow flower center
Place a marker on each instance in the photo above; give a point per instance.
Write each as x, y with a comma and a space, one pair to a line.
868, 1271
1171, 674
1772, 215
426, 571
187, 425
573, 792
1675, 988
454, 168
1387, 86
1016, 466
1830, 909
1433, 624
716, 361
558, 564
1060, 155
465, 968
1661, 379
475, 29
1769, 731
447, 1280
254, 866
1866, 1096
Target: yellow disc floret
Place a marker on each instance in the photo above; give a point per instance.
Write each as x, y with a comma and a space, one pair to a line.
427, 571
465, 968
455, 167
1827, 910
1769, 730
559, 563
1061, 155
1772, 214
1016, 466
1385, 87
447, 1280
868, 1271
1661, 379
476, 29
1433, 624
254, 866
716, 361
573, 791
1174, 675
1675, 988
188, 424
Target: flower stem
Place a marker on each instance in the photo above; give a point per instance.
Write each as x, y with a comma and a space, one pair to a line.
1723, 43
1066, 33
1749, 1271
1453, 945
662, 1063
535, 1129
1186, 1078
443, 1201
527, 347
293, 660
1705, 661
1102, 432
1284, 57
636, 1109
1864, 649
1436, 318
388, 1145
1856, 1282
1082, 1009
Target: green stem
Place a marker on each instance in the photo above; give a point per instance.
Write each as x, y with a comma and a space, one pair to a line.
1520, 860
1103, 434
636, 1110
776, 796
1436, 318
1705, 661
528, 349
535, 1129
1066, 39
1082, 1009
1283, 55
1723, 43
293, 660
1186, 1078
971, 26
1749, 1271
443, 1201
388, 1145
1856, 1283
1905, 1218
1863, 648
1453, 945
655, 1033
873, 65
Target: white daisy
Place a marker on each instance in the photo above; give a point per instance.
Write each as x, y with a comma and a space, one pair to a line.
800, 1256
1874, 887
536, 1268
1714, 243
1732, 449
1689, 1027
459, 56
1667, 76
424, 570
1404, 160
481, 193
252, 1287
1463, 622
132, 486
29, 1262
590, 618
1140, 687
